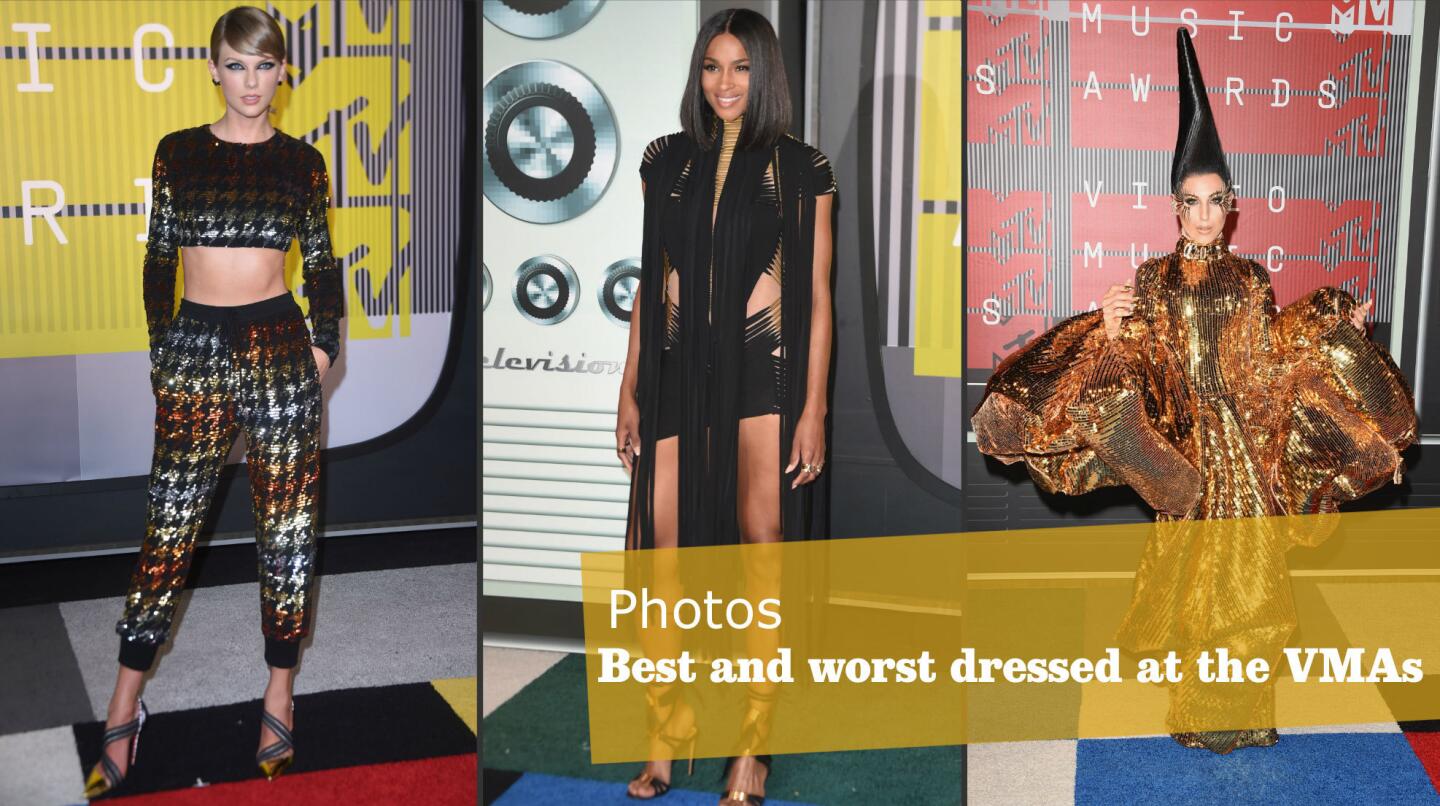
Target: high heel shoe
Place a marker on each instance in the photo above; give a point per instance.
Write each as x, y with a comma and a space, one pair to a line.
669, 701
272, 758
739, 795
754, 734
105, 776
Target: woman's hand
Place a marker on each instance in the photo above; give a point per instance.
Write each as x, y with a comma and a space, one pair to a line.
322, 362
808, 450
627, 431
1119, 302
1357, 316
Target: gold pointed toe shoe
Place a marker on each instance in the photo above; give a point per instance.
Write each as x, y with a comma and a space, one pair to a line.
105, 776
275, 758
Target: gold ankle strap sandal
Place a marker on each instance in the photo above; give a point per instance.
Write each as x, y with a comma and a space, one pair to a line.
667, 701
754, 734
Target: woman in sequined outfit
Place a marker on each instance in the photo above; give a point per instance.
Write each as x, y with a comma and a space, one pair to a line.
235, 357
1189, 387
724, 399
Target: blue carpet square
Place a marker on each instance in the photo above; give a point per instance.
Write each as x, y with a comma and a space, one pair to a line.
1309, 769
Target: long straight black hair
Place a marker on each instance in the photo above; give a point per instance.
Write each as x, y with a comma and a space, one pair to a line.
767, 109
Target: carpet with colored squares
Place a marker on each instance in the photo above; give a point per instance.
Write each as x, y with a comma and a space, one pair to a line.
535, 749
385, 695
1381, 765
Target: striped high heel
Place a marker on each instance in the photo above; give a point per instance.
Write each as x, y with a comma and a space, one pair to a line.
273, 758
105, 776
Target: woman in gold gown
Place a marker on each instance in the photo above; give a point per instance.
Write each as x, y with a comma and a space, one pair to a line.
1190, 388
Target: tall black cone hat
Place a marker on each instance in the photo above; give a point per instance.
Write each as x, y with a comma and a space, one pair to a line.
1197, 147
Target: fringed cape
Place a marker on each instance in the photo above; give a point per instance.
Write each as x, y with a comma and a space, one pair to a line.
711, 318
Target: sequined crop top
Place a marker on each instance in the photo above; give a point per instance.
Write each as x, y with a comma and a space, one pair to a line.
210, 192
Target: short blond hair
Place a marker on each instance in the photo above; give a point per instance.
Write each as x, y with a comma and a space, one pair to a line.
248, 30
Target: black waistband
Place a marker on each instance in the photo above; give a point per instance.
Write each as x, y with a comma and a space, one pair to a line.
250, 312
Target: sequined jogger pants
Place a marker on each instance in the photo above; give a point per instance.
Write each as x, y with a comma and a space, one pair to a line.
217, 370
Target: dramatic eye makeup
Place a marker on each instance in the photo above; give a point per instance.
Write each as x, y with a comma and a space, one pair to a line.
709, 65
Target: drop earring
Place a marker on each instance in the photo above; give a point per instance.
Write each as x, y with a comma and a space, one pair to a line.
215, 82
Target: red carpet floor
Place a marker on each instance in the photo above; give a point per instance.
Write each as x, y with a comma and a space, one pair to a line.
446, 781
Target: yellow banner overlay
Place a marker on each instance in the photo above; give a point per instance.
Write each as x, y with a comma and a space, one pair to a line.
1102, 631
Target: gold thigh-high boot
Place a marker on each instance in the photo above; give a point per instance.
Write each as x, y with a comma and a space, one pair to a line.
754, 740
671, 723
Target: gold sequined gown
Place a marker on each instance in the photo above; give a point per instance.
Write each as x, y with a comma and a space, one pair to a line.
1211, 405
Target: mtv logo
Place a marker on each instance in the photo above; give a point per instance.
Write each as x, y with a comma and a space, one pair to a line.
1347, 15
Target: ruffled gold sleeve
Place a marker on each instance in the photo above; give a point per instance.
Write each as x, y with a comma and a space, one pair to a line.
1341, 411
1084, 411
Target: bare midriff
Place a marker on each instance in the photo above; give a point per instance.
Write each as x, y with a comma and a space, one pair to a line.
231, 275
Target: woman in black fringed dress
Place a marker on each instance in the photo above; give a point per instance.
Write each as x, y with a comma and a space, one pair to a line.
723, 404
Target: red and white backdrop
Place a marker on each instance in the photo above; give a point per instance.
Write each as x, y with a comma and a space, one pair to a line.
1072, 115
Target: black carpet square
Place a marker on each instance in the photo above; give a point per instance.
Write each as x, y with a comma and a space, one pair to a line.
333, 729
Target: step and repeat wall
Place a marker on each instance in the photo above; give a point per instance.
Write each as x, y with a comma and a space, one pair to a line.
1070, 132
90, 88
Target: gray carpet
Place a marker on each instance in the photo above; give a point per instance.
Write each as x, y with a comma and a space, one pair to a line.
40, 768
371, 629
40, 687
